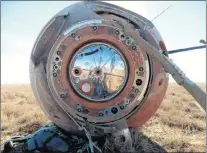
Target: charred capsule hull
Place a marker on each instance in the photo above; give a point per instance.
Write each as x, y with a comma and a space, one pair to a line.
89, 65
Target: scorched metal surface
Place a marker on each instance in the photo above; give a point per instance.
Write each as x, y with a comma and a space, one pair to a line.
89, 68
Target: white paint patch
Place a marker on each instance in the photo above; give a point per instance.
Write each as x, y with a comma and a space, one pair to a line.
86, 87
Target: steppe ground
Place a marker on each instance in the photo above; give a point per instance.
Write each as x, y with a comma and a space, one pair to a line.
178, 126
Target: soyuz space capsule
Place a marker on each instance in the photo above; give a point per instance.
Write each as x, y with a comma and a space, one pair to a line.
88, 67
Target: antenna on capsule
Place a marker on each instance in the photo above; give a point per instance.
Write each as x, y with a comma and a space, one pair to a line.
161, 13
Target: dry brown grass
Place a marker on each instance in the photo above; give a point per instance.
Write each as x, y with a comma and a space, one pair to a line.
19, 111
178, 125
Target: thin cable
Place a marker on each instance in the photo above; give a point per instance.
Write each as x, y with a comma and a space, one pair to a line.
161, 13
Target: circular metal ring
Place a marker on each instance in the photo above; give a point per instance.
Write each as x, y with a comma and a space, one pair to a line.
105, 35
103, 66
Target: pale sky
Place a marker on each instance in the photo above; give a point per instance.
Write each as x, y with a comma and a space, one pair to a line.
183, 25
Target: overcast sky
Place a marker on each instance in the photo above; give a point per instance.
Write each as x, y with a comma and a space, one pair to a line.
183, 25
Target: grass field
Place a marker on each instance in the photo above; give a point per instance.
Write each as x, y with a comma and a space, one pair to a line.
178, 125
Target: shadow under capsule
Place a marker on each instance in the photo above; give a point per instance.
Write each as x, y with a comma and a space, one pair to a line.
140, 143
